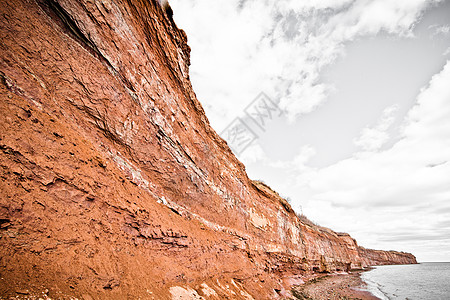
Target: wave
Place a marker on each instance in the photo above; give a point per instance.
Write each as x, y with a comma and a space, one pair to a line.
375, 289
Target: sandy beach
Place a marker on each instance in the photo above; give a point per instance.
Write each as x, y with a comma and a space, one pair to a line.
333, 287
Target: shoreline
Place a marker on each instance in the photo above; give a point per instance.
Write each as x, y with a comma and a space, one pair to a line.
335, 286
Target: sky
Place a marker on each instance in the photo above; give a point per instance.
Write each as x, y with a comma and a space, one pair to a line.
342, 106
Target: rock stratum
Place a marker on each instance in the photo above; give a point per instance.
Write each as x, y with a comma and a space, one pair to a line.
113, 183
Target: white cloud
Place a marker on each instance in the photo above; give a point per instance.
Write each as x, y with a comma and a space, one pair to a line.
440, 30
252, 153
383, 178
305, 154
373, 138
446, 52
242, 48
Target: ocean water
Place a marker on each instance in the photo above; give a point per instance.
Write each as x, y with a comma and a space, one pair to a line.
430, 281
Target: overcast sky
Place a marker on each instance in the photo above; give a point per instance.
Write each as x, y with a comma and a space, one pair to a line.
362, 143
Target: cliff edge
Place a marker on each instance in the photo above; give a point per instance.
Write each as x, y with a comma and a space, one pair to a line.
114, 185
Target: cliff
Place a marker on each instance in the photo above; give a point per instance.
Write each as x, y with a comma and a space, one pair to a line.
114, 185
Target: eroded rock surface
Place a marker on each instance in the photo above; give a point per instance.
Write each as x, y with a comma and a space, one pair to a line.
113, 184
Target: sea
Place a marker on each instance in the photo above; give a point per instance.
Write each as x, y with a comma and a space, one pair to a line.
430, 281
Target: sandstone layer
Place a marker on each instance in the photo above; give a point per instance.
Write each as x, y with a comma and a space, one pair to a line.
113, 183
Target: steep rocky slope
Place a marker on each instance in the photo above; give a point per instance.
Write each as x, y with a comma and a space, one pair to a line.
113, 184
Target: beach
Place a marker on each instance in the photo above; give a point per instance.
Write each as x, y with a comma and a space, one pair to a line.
333, 287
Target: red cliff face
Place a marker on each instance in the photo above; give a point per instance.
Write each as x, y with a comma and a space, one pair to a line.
113, 184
